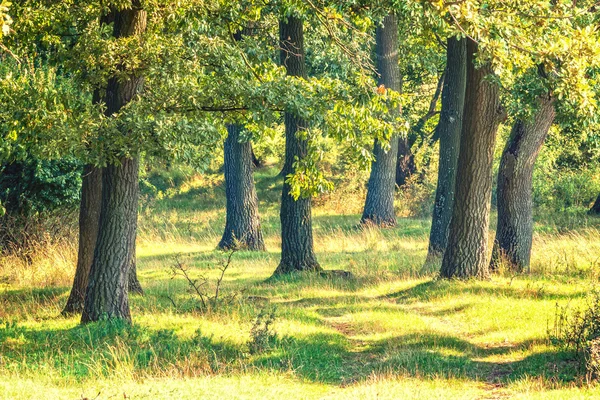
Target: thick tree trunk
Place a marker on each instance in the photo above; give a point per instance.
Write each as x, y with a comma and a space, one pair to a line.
89, 216
596, 207
466, 252
297, 253
405, 164
515, 203
448, 131
242, 226
379, 205
133, 284
107, 291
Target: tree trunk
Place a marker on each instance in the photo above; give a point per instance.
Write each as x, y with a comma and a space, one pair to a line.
405, 165
297, 253
89, 215
106, 295
596, 207
515, 203
133, 285
242, 226
448, 131
466, 252
379, 205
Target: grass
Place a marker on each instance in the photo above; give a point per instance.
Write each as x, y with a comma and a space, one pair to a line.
393, 332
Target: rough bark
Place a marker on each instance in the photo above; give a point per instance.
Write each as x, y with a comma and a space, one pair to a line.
379, 204
133, 284
448, 131
466, 252
107, 291
242, 225
297, 253
89, 216
596, 207
514, 232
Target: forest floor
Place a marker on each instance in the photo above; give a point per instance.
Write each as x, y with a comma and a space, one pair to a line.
393, 332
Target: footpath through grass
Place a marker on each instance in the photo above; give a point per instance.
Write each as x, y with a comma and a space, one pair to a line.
394, 332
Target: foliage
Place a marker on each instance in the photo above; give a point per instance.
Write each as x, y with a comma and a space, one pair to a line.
579, 331
33, 186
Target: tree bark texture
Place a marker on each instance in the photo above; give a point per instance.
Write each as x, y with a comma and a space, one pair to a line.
297, 252
242, 225
596, 207
448, 131
466, 252
89, 216
133, 284
107, 291
379, 204
514, 232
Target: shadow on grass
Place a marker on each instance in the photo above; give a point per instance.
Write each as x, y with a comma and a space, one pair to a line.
328, 358
111, 347
334, 357
436, 289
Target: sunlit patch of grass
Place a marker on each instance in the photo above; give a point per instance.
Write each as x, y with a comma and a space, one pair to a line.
394, 331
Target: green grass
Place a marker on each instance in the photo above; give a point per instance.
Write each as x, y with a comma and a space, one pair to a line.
393, 332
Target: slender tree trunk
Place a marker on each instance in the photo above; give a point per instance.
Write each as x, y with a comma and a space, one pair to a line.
297, 253
596, 207
405, 164
89, 216
514, 233
379, 205
466, 252
242, 226
448, 131
107, 291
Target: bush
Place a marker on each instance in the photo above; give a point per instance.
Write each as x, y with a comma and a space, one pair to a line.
579, 331
40, 198
36, 186
560, 190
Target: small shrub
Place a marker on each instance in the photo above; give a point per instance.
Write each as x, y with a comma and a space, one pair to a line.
202, 299
262, 334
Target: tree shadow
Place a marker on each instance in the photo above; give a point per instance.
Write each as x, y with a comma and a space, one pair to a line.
330, 358
103, 348
439, 288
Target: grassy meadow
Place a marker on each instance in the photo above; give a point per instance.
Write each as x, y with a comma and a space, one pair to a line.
393, 332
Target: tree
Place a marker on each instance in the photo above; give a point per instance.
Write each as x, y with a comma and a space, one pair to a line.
89, 216
514, 231
242, 226
107, 291
596, 207
379, 204
448, 131
466, 252
405, 163
297, 253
